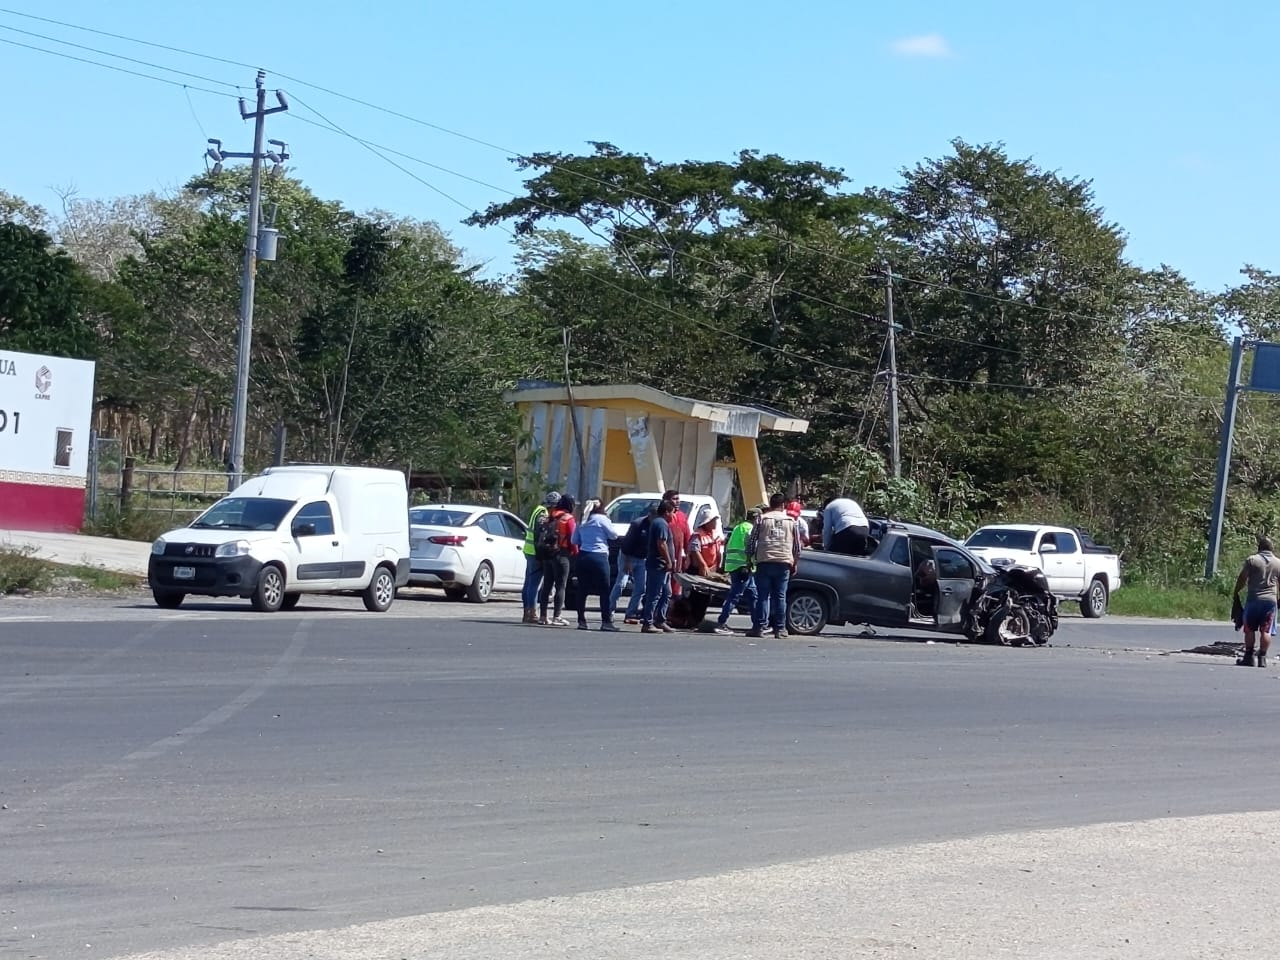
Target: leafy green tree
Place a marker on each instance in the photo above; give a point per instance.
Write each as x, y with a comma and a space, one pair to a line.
42, 296
1015, 265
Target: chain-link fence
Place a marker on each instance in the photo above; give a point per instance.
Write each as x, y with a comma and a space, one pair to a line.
118, 485
106, 476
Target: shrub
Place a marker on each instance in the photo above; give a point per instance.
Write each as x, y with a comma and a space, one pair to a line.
21, 569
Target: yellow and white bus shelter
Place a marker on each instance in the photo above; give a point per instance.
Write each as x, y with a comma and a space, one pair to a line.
634, 437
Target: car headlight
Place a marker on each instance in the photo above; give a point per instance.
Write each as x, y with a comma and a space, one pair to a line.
157, 548
236, 548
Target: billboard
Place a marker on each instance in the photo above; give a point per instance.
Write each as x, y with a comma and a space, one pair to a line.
45, 407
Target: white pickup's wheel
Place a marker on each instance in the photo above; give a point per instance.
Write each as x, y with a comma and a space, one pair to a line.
1094, 602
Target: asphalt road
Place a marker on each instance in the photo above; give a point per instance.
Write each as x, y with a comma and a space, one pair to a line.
174, 780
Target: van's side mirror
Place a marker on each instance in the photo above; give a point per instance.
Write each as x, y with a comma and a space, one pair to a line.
304, 529
1048, 548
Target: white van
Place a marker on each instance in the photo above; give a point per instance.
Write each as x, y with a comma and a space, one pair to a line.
293, 530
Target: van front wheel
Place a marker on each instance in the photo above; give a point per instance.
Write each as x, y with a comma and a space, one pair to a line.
380, 592
268, 595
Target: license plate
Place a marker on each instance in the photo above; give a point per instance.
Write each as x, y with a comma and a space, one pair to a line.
184, 573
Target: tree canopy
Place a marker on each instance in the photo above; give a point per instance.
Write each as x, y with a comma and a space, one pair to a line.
1043, 374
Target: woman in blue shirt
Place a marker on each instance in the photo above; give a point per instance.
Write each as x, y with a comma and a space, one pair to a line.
592, 538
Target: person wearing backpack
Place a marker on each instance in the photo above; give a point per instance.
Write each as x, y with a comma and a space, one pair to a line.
532, 562
631, 554
555, 548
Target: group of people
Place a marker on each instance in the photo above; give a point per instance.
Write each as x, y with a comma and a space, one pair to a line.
758, 558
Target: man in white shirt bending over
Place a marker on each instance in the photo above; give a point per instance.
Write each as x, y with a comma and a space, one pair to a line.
844, 527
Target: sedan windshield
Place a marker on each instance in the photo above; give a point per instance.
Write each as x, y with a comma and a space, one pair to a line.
437, 517
633, 508
244, 513
996, 537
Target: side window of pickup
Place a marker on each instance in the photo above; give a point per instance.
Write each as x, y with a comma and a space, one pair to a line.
1067, 543
953, 565
899, 552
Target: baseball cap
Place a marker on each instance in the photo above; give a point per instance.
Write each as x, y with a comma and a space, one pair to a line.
551, 499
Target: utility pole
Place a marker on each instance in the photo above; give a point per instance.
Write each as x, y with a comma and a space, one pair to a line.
895, 452
581, 487
244, 342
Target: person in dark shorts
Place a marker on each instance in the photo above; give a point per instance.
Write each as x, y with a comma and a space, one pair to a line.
1261, 576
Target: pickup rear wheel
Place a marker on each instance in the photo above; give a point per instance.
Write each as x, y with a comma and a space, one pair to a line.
1094, 602
806, 613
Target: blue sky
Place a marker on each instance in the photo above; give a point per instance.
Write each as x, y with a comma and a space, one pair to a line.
1165, 106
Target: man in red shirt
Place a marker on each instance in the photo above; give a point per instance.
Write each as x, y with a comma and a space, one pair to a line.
680, 534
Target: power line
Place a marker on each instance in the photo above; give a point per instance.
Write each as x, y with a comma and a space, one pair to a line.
127, 39
118, 56
109, 66
375, 151
194, 116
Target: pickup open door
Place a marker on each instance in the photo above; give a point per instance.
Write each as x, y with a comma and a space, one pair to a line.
956, 577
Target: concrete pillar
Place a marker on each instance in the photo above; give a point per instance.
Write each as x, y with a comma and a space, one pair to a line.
644, 454
750, 474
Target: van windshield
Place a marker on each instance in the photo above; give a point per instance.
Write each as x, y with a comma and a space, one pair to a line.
244, 513
633, 508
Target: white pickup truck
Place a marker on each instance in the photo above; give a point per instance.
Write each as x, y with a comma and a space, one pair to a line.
1075, 566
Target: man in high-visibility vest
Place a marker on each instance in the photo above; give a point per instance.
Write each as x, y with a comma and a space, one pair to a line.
532, 565
741, 570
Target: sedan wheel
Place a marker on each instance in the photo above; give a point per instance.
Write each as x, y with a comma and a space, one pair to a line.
806, 613
482, 585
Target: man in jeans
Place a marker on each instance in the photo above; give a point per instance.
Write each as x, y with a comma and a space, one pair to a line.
774, 544
532, 563
737, 563
659, 559
631, 557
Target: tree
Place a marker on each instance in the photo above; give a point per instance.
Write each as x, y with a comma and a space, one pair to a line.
738, 281
1012, 275
42, 296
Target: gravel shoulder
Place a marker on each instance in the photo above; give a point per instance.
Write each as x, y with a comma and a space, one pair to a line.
1139, 891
